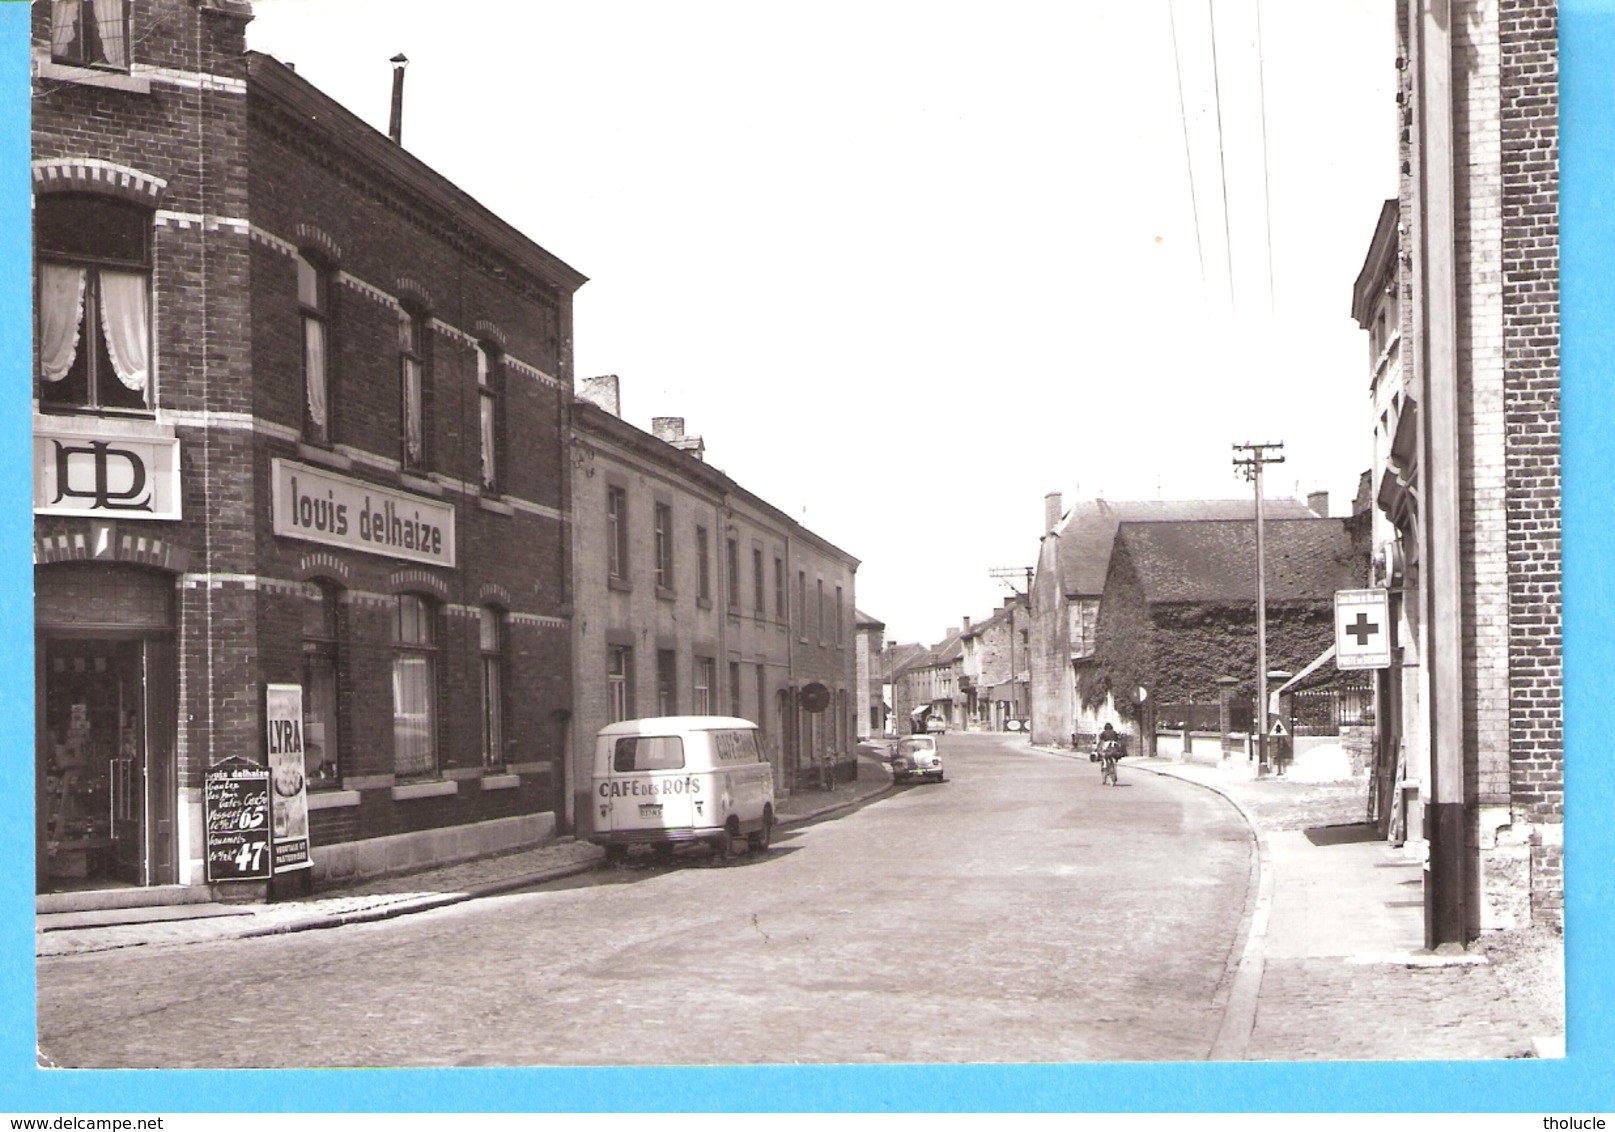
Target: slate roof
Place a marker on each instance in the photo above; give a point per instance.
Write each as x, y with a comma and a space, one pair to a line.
1215, 561
1089, 530
899, 658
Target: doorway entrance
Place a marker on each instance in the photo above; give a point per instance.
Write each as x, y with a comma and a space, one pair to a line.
103, 769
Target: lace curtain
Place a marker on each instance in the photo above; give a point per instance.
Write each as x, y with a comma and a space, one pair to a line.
61, 312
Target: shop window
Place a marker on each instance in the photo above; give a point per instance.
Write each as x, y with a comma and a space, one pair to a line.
705, 678
664, 545
620, 682
93, 304
412, 386
314, 307
490, 414
415, 662
617, 533
492, 646
90, 33
322, 732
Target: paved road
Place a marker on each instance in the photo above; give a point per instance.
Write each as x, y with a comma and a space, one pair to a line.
1018, 912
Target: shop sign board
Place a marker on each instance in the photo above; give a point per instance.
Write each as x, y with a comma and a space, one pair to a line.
1362, 629
111, 475
288, 784
235, 804
320, 506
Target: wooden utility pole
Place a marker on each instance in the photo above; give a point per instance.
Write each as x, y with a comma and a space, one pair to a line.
1251, 467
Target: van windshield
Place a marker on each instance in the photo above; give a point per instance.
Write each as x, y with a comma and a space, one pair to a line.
648, 752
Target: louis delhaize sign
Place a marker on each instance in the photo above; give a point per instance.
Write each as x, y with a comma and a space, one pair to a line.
320, 506
288, 784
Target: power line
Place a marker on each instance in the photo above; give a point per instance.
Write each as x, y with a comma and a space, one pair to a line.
1267, 200
1188, 158
1222, 161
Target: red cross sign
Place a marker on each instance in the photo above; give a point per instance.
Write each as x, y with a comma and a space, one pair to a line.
1362, 629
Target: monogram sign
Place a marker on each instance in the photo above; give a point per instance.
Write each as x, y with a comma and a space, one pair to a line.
115, 476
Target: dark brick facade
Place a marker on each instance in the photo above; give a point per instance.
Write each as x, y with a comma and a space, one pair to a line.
242, 165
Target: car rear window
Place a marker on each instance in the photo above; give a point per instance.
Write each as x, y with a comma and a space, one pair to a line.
648, 752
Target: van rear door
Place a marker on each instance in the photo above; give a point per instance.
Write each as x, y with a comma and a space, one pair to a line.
648, 788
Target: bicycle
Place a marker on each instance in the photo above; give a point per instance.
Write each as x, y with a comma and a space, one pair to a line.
1109, 755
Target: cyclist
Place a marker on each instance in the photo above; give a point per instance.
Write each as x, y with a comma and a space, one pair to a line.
1109, 748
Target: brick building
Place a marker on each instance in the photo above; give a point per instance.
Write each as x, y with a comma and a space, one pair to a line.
299, 416
1459, 293
696, 597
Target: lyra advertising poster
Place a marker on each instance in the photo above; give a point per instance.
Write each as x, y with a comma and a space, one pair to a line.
288, 786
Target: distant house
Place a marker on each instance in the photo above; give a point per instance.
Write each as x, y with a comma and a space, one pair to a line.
996, 673
1178, 615
1073, 562
926, 684
899, 688
868, 638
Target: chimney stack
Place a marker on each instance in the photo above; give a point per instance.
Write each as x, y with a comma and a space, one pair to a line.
671, 429
603, 391
1318, 504
967, 625
395, 125
1051, 511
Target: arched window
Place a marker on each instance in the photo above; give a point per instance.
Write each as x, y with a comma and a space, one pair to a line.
492, 644
415, 663
314, 305
412, 385
490, 414
322, 728
94, 303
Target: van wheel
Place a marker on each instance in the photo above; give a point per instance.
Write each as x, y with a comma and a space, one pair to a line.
762, 837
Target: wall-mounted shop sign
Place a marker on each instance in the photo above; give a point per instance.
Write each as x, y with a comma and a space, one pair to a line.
106, 474
318, 506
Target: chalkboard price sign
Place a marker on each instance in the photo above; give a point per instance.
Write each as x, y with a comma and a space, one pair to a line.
236, 810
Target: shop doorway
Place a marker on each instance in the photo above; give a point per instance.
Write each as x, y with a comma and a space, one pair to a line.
104, 767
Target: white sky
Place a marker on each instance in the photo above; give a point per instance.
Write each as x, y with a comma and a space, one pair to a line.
908, 266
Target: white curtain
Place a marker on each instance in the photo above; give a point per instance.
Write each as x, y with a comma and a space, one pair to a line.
488, 457
109, 24
314, 369
64, 26
61, 311
124, 321
412, 408
414, 741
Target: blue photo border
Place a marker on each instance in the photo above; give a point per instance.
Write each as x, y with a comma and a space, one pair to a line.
1579, 1083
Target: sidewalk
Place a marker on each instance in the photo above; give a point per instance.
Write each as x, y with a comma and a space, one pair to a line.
75, 933
1334, 964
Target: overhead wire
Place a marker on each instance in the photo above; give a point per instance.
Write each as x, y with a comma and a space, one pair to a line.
1188, 157
1267, 200
1222, 160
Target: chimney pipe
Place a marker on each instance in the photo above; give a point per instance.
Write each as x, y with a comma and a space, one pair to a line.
1051, 511
1318, 504
395, 126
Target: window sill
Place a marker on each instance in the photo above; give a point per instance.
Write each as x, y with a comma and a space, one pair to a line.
332, 799
317, 455
663, 593
424, 790
45, 68
495, 506
622, 585
501, 781
418, 482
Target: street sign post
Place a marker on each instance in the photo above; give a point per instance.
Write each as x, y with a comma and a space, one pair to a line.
1362, 629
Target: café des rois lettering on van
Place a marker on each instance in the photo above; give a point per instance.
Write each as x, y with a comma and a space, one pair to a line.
318, 506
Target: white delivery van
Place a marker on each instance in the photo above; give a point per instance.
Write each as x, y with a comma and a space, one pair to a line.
680, 778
